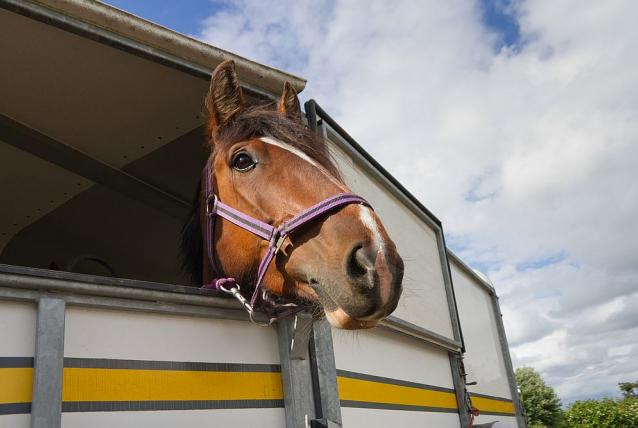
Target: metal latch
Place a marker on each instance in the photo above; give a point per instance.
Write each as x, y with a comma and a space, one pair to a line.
301, 330
323, 423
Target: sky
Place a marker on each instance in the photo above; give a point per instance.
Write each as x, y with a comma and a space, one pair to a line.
515, 122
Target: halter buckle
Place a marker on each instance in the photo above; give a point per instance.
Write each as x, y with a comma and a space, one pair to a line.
280, 242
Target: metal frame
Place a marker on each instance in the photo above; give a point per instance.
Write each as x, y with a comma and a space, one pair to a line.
317, 120
30, 284
498, 316
315, 113
400, 326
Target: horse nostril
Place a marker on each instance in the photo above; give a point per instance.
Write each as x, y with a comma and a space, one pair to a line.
359, 262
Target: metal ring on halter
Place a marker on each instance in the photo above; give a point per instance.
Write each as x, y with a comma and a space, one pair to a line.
210, 209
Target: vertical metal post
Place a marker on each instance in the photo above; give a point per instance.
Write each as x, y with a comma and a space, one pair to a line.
324, 375
296, 378
459, 388
507, 359
46, 408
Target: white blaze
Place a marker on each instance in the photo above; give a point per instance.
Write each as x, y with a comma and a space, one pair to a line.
295, 151
366, 217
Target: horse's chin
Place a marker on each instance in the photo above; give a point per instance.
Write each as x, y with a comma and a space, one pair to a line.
335, 315
340, 319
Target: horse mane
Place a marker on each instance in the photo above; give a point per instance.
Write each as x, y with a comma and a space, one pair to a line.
253, 122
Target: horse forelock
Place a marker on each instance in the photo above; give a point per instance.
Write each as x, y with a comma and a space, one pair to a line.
262, 121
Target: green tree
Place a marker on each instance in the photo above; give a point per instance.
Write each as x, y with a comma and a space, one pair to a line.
629, 389
605, 413
541, 403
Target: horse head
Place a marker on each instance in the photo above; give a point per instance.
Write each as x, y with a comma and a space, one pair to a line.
266, 164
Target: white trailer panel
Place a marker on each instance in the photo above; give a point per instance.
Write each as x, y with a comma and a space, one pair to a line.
424, 300
486, 357
17, 348
387, 376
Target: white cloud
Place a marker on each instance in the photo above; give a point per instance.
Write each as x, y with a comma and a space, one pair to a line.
526, 154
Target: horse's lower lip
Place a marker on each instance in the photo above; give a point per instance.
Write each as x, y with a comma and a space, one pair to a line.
340, 319
337, 313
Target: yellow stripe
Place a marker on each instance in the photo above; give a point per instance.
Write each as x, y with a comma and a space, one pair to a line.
82, 384
489, 405
377, 392
16, 385
85, 384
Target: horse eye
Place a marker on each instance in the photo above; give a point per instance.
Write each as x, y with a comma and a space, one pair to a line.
243, 162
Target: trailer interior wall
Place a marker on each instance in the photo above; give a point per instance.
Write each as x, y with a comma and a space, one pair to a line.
100, 149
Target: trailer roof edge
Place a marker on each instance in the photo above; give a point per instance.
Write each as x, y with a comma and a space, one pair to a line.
172, 42
489, 287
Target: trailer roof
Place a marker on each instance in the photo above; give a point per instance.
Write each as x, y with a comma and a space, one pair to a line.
153, 36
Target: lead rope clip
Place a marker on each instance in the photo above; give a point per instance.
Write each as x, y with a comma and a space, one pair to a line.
235, 292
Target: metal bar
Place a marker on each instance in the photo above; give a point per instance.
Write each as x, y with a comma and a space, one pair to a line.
396, 324
459, 389
103, 280
297, 383
507, 359
44, 147
46, 407
449, 289
130, 305
125, 44
488, 287
324, 374
75, 287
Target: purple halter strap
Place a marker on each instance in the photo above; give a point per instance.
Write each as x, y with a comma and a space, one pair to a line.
275, 237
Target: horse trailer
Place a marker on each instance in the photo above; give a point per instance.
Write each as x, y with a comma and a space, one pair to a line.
101, 150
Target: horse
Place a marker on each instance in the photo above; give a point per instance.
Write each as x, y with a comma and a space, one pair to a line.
266, 171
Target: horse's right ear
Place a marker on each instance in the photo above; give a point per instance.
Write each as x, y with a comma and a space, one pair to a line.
225, 98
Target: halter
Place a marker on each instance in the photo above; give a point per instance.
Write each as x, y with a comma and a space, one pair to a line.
274, 308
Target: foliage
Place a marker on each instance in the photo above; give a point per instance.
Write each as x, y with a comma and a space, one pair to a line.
629, 389
605, 413
541, 403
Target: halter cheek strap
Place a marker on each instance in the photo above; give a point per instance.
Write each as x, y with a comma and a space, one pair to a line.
275, 236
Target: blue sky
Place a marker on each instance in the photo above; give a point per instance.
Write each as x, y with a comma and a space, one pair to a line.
182, 16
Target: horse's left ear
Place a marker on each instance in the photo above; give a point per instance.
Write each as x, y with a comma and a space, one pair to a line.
289, 103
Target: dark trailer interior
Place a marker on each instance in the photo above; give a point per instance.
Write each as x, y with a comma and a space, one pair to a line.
102, 138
